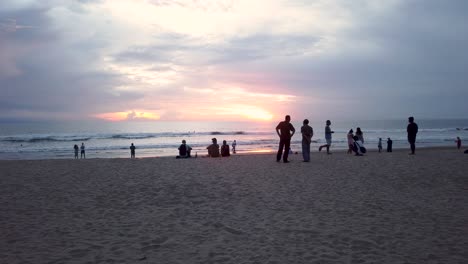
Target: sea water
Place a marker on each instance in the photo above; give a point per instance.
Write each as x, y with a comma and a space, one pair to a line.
158, 138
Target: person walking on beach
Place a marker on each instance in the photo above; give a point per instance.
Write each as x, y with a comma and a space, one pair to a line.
307, 134
213, 149
328, 137
132, 151
225, 149
412, 130
389, 145
458, 142
83, 155
284, 129
184, 150
76, 151
234, 144
380, 145
360, 135
350, 139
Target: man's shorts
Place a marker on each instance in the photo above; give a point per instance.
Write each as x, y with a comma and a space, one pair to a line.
328, 141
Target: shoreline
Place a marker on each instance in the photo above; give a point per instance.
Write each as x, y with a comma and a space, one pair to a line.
241, 153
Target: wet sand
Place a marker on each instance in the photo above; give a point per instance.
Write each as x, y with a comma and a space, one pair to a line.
380, 208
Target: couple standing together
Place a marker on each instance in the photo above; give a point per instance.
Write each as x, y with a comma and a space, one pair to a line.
285, 131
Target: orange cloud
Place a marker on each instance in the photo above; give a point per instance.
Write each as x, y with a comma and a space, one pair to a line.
129, 115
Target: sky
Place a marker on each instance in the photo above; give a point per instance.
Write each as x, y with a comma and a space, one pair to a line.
232, 60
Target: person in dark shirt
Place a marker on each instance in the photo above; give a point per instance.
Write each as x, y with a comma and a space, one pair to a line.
132, 151
225, 149
76, 151
284, 129
213, 149
389, 145
412, 130
184, 150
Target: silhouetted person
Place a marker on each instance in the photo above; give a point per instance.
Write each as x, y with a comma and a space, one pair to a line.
234, 144
379, 146
360, 135
184, 150
350, 139
132, 151
83, 154
458, 142
76, 150
328, 137
225, 149
284, 129
412, 130
389, 145
213, 149
307, 133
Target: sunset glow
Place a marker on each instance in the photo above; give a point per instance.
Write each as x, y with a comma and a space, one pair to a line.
129, 115
231, 60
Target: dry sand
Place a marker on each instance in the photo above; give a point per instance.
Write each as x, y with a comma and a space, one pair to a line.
380, 208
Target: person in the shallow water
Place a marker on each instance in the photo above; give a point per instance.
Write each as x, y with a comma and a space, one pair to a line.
213, 149
132, 151
225, 149
83, 154
184, 150
76, 151
412, 130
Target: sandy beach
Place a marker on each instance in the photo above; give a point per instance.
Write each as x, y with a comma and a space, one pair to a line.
380, 208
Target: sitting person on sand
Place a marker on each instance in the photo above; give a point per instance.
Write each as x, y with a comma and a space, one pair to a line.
213, 149
358, 146
225, 149
184, 150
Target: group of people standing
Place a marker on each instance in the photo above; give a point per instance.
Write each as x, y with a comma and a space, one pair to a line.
286, 130
82, 148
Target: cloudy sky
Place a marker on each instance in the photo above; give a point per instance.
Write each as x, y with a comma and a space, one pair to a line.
233, 59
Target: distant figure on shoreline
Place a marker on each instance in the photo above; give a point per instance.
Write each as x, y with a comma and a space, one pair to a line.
132, 151
225, 149
379, 145
284, 129
213, 149
234, 144
76, 151
184, 150
458, 142
412, 130
350, 139
360, 135
83, 155
328, 137
389, 145
307, 134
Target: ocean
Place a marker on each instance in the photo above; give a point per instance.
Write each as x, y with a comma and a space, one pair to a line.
162, 138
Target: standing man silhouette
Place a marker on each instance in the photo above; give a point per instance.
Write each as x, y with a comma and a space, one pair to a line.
412, 130
284, 129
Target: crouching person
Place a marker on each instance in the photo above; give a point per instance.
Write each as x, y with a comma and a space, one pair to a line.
358, 147
184, 150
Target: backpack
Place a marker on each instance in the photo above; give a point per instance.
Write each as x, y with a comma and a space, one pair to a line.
363, 149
